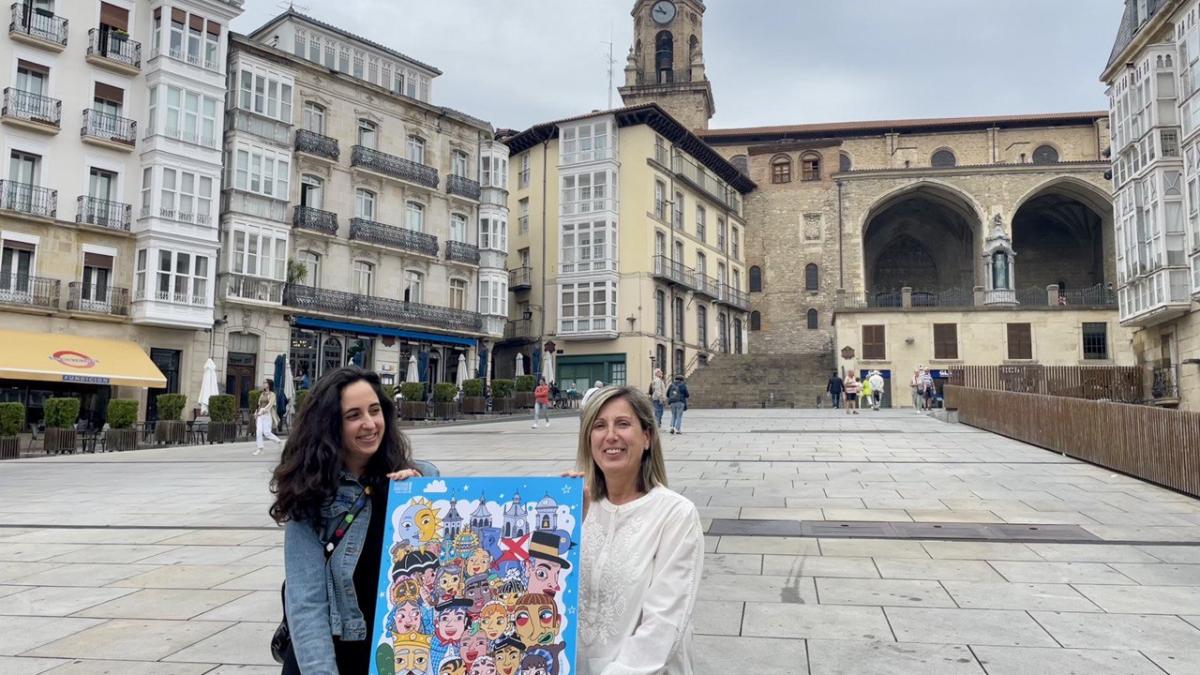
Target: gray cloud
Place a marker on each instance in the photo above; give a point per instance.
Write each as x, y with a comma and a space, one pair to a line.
520, 62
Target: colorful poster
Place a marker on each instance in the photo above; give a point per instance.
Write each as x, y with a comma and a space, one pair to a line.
480, 576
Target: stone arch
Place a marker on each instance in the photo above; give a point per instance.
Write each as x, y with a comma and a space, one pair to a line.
946, 190
1062, 234
943, 158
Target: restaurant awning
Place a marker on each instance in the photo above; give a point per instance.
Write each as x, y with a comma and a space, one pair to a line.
54, 357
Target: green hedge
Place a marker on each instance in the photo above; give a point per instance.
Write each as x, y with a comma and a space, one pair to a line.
222, 408
12, 418
413, 391
526, 383
253, 398
472, 387
301, 394
170, 407
502, 388
121, 413
444, 392
389, 390
61, 413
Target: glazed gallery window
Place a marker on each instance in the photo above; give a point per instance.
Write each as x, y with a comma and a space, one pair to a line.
186, 196
588, 247
265, 93
493, 296
587, 307
493, 234
586, 193
192, 38
493, 172
262, 171
458, 294
258, 252
181, 278
186, 116
585, 143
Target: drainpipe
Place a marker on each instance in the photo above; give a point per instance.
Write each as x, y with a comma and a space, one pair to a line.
545, 231
841, 260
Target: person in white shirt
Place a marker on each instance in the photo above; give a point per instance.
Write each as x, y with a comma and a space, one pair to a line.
588, 394
643, 546
877, 385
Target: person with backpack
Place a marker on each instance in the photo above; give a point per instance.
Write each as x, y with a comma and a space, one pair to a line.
658, 396
835, 387
877, 387
677, 396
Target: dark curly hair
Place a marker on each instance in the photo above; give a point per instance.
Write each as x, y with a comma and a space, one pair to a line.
307, 475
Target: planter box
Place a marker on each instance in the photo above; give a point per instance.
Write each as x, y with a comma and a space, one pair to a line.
502, 406
10, 447
474, 405
168, 432
413, 410
222, 432
60, 441
523, 399
120, 440
445, 410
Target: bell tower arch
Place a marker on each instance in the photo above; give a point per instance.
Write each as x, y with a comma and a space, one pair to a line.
666, 61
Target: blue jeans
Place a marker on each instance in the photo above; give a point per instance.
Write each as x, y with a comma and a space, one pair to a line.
658, 412
837, 399
677, 416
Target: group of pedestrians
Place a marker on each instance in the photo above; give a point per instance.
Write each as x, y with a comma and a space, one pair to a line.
854, 393
673, 396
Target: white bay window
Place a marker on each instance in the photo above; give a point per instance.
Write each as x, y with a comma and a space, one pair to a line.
263, 171
587, 307
258, 252
588, 247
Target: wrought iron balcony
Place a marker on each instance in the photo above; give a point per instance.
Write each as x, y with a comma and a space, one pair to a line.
255, 289
461, 185
706, 285
312, 143
734, 298
1164, 388
520, 279
43, 27
396, 167
338, 303
110, 45
673, 270
103, 213
28, 199
396, 237
29, 107
519, 329
97, 298
23, 290
308, 218
461, 251
105, 127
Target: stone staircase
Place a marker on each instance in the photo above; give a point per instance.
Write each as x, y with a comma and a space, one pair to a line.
761, 380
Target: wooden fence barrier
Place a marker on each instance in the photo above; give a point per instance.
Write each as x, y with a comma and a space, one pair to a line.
1155, 444
1111, 383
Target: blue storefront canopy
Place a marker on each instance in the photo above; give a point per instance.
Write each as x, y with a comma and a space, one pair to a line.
367, 329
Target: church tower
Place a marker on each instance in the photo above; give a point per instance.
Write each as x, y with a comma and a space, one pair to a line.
666, 62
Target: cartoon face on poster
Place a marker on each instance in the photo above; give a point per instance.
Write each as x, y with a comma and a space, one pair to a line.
479, 577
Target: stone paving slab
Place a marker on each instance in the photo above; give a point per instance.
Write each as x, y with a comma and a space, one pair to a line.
837, 657
1054, 661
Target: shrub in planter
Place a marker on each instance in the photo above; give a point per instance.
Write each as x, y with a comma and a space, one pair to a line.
502, 396
473, 401
61, 416
523, 398
413, 405
525, 383
121, 415
444, 405
222, 413
252, 398
389, 390
170, 428
12, 418
301, 394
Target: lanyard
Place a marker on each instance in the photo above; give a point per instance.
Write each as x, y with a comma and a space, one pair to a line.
344, 525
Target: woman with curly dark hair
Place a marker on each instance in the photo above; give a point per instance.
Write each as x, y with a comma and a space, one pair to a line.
331, 485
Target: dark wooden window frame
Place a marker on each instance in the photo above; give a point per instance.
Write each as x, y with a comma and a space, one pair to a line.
945, 341
874, 343
1020, 341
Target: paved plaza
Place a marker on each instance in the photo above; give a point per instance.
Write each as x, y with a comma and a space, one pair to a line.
164, 561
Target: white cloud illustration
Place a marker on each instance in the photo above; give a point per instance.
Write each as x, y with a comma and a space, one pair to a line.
436, 486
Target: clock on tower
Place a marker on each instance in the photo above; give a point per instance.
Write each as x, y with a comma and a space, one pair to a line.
666, 61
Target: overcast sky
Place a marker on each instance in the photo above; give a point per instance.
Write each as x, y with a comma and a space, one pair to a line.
516, 63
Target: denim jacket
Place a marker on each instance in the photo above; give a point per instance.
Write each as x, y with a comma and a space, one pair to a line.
320, 599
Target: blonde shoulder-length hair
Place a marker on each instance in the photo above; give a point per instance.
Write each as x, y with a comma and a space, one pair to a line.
654, 469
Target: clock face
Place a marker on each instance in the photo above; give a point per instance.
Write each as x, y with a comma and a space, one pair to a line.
663, 12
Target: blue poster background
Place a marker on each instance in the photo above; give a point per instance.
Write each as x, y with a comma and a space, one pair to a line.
487, 543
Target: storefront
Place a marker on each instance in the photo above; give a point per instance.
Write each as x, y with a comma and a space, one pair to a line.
582, 371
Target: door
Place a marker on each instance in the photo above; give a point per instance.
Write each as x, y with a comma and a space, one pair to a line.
581, 375
22, 177
310, 192
16, 265
102, 189
167, 361
240, 369
97, 275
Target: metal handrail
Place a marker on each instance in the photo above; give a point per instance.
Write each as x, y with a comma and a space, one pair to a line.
27, 105
108, 44
461, 185
29, 291
31, 199
461, 251
396, 167
520, 277
27, 21
308, 218
316, 144
103, 213
98, 298
356, 305
99, 124
370, 231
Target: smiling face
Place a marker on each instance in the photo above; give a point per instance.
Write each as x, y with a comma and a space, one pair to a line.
408, 618
479, 562
473, 647
543, 576
451, 624
493, 623
618, 443
508, 659
484, 666
451, 582
362, 425
537, 624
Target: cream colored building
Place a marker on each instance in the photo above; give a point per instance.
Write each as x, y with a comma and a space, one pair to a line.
628, 251
1153, 78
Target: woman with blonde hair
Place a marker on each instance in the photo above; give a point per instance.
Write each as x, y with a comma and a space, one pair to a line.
643, 546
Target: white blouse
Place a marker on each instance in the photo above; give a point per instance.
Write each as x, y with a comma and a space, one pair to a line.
639, 575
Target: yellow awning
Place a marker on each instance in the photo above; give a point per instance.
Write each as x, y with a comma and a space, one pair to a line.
53, 357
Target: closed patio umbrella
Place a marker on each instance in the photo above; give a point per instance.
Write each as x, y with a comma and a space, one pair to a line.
208, 385
289, 385
281, 374
520, 364
462, 371
412, 375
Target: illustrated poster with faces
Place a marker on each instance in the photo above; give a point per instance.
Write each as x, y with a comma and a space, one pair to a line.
480, 576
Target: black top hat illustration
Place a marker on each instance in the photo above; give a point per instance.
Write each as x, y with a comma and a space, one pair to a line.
452, 603
545, 545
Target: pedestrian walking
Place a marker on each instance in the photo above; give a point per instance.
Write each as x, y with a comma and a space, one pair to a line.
677, 396
658, 396
877, 387
864, 392
929, 389
835, 387
918, 394
852, 389
541, 402
265, 417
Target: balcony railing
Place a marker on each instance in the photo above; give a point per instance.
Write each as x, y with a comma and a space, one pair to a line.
28, 199
109, 44
396, 237
256, 289
97, 298
160, 295
38, 24
313, 143
107, 127
1099, 295
24, 105
520, 278
734, 297
672, 270
460, 185
460, 251
396, 167
308, 218
706, 285
23, 290
519, 329
708, 182
338, 303
103, 213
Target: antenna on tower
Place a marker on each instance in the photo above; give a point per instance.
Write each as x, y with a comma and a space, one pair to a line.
290, 5
611, 64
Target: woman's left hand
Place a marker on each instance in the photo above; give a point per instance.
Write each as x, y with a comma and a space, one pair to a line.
404, 474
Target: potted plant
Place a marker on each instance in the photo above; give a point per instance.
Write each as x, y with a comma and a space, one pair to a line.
170, 428
301, 394
413, 406
523, 398
121, 416
389, 392
61, 416
444, 405
473, 402
222, 416
12, 418
502, 396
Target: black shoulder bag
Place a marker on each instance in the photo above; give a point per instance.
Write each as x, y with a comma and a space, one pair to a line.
281, 642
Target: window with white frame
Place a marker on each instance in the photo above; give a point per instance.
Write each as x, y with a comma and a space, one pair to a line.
364, 204
186, 196
587, 306
368, 134
720, 234
193, 38
523, 215
586, 142
314, 117
139, 275
265, 92
493, 234
458, 227
701, 227
414, 216
311, 261
523, 174
147, 190
182, 278
660, 200
416, 149
459, 163
493, 295
588, 247
414, 286
258, 251
186, 116
458, 294
493, 172
587, 193
364, 277
735, 244
263, 171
